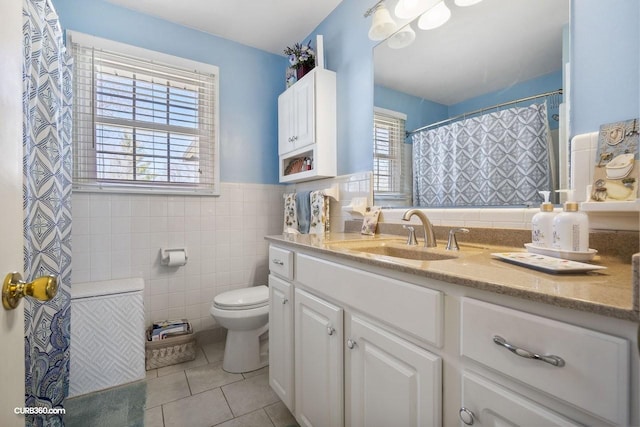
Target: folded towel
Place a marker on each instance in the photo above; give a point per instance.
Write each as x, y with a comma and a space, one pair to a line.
319, 213
290, 213
303, 209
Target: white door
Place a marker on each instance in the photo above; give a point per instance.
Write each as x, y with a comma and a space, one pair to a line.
281, 339
390, 381
11, 322
486, 404
318, 362
304, 114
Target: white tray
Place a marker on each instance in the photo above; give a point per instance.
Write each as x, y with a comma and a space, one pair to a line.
557, 253
546, 263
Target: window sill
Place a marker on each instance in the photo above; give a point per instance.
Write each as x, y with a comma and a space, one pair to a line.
130, 189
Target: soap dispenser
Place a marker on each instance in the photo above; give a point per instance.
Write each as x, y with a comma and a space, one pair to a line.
542, 223
571, 228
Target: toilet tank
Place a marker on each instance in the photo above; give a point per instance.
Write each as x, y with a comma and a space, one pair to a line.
107, 334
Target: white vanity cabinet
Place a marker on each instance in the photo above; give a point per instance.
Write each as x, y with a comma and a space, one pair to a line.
318, 361
307, 128
281, 351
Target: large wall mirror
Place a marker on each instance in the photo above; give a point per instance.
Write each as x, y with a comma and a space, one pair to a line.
483, 98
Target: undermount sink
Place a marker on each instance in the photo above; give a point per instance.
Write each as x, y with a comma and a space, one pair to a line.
395, 249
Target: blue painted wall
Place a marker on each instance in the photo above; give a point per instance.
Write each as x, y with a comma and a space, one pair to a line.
419, 111
605, 63
250, 80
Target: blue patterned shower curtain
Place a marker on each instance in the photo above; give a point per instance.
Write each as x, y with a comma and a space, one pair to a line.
496, 159
47, 206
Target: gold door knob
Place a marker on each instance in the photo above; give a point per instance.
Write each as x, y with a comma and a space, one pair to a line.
43, 288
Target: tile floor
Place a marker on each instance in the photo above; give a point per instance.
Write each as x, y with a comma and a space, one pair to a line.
200, 394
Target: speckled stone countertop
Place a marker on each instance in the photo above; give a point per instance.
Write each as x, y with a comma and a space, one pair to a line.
612, 292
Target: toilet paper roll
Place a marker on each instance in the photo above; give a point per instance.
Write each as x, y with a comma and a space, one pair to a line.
177, 258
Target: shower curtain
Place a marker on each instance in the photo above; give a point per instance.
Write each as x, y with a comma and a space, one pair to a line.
47, 206
496, 159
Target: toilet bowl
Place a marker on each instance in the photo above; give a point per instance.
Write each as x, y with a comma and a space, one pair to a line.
245, 314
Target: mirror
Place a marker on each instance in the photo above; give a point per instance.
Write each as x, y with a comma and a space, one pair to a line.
491, 53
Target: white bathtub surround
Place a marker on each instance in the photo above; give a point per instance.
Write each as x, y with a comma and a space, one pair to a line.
107, 335
116, 236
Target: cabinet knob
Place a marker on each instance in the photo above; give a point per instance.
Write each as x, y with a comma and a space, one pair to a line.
351, 343
285, 300
466, 416
330, 330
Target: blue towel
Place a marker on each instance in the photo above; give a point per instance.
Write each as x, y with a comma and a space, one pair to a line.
303, 208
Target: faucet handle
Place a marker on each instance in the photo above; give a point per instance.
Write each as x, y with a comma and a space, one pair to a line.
452, 243
411, 238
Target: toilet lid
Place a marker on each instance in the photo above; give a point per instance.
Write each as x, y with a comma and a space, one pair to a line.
255, 296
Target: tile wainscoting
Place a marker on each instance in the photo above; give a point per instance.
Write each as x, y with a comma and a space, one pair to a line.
120, 235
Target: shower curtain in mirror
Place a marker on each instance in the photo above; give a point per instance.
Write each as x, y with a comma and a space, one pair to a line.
47, 206
496, 159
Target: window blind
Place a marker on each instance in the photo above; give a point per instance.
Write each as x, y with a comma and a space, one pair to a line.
142, 125
391, 166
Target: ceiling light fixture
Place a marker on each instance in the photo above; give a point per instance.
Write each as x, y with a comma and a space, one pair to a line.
409, 9
434, 17
402, 38
465, 3
382, 25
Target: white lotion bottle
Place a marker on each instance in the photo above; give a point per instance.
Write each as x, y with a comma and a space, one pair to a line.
571, 229
542, 224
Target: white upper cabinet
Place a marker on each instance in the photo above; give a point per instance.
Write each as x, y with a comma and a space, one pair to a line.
307, 128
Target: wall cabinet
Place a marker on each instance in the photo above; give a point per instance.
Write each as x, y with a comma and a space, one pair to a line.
307, 128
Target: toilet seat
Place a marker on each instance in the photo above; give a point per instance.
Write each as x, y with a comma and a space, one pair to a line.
243, 299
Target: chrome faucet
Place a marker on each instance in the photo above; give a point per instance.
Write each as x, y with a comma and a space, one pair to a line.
429, 235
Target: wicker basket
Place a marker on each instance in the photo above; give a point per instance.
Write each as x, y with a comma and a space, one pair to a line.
169, 351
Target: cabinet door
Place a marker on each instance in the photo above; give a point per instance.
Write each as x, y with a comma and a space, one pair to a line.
390, 382
318, 361
286, 129
281, 339
304, 114
488, 404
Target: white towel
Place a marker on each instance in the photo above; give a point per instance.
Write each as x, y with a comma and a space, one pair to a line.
319, 213
290, 214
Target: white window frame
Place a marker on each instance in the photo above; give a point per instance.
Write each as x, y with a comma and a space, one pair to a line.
89, 41
402, 162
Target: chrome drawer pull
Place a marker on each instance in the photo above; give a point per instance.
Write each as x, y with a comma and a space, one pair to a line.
550, 359
466, 416
277, 261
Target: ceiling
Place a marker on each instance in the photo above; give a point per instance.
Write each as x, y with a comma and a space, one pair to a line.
270, 25
481, 49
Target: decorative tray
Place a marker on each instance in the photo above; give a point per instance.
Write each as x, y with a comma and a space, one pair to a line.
557, 253
546, 263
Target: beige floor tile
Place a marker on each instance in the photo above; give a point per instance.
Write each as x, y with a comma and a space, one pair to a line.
280, 415
209, 376
153, 417
254, 419
214, 351
257, 372
201, 410
250, 394
166, 389
153, 373
200, 360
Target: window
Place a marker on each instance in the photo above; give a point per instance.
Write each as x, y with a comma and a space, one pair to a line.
391, 160
143, 121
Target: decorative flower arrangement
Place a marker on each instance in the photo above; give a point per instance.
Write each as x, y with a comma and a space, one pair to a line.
301, 55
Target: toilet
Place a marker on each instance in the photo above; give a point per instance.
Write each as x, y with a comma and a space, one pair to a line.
245, 314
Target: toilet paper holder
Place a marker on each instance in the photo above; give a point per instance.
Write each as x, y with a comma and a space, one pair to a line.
165, 255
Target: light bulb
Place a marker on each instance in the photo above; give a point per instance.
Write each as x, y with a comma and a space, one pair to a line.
409, 9
465, 3
434, 17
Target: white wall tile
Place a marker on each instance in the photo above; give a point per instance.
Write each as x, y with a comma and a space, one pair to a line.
117, 236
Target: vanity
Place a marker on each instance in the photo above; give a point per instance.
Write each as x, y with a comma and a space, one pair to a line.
368, 337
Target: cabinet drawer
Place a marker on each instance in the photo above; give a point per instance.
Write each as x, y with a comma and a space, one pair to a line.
281, 262
595, 371
407, 307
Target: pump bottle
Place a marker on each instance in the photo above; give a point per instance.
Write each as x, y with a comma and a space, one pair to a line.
542, 224
571, 229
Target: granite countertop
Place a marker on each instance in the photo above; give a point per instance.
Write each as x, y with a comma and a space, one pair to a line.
611, 292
